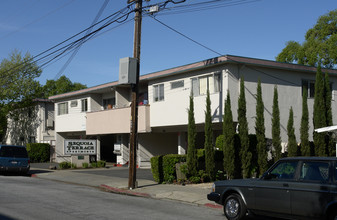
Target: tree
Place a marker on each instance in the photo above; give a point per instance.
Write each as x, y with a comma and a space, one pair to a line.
292, 145
276, 133
18, 85
209, 150
60, 86
192, 161
304, 130
245, 154
320, 45
319, 117
260, 131
331, 150
228, 132
17, 79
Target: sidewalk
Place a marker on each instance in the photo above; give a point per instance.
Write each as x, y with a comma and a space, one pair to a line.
195, 194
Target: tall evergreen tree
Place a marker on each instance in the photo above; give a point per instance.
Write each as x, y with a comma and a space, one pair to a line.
245, 154
192, 161
319, 117
304, 130
331, 150
292, 145
260, 131
209, 149
276, 133
228, 132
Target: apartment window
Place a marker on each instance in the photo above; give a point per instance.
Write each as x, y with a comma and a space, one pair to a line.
211, 82
63, 108
109, 103
310, 86
84, 105
177, 84
158, 92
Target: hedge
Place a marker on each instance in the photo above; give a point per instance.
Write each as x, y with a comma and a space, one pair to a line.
169, 166
163, 167
38, 153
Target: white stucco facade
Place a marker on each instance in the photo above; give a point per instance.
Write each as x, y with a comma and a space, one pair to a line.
164, 104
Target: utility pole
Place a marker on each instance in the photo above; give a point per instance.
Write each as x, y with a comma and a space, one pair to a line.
134, 103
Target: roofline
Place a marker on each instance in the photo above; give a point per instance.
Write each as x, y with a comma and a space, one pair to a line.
203, 64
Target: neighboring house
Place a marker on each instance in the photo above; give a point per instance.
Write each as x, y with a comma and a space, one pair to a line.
33, 124
102, 113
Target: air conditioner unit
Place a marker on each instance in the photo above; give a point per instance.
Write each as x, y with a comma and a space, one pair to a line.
127, 70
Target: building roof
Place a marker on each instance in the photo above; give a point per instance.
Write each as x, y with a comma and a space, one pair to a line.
198, 65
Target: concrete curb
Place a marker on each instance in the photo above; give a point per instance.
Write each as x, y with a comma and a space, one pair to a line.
124, 191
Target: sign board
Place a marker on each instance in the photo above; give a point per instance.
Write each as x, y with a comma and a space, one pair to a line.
80, 147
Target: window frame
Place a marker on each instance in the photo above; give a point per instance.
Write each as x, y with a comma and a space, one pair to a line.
206, 81
66, 109
84, 105
157, 90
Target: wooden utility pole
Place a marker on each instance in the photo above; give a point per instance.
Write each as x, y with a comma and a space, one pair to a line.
134, 104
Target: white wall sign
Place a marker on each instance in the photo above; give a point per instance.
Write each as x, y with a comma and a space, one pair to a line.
79, 147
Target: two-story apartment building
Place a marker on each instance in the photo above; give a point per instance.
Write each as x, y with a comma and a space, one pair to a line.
34, 124
102, 113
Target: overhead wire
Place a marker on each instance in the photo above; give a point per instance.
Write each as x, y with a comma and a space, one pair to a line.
61, 71
36, 20
220, 54
108, 21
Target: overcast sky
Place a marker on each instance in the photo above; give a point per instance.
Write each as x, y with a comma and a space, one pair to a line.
249, 28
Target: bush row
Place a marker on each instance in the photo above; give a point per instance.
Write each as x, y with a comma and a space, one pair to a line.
163, 167
38, 153
68, 165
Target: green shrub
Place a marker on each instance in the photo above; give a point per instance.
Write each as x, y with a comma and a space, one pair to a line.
93, 164
73, 166
219, 143
169, 166
85, 165
65, 165
38, 153
101, 163
157, 168
194, 179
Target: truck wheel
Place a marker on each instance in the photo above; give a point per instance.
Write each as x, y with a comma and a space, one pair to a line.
234, 207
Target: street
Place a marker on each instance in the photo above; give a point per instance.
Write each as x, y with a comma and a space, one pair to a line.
32, 198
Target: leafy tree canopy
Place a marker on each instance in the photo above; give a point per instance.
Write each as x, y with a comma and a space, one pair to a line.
62, 85
320, 44
17, 79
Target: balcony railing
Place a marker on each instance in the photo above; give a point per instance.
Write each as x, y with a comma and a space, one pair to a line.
117, 121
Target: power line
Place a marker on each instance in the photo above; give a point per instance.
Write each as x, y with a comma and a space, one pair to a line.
255, 69
38, 19
109, 20
105, 3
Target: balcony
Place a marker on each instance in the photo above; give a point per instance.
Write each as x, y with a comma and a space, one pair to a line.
117, 121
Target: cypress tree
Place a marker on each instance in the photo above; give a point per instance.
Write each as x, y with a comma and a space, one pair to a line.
331, 150
245, 154
209, 150
228, 132
192, 162
260, 132
276, 133
319, 117
304, 130
292, 145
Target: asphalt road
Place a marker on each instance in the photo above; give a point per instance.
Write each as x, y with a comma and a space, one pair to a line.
122, 172
32, 198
